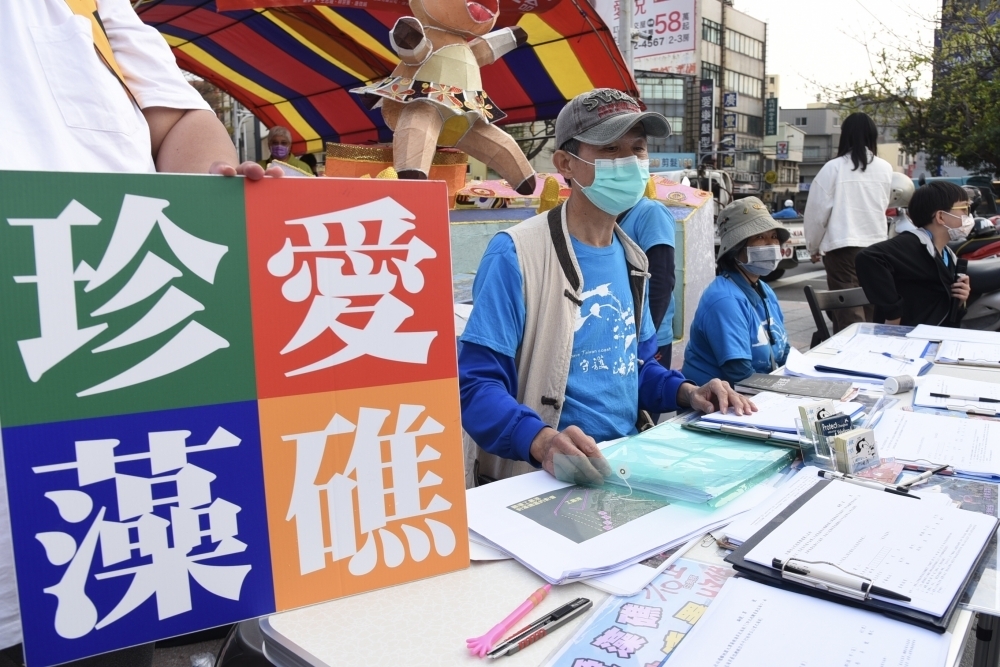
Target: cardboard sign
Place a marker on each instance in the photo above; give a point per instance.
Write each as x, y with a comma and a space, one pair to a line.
222, 399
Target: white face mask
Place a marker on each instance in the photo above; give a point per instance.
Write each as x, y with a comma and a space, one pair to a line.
762, 259
961, 232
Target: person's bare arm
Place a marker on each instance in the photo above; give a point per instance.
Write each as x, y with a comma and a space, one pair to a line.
193, 141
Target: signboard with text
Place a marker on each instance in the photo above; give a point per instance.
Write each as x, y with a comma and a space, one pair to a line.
203, 390
667, 30
706, 116
729, 100
781, 150
771, 116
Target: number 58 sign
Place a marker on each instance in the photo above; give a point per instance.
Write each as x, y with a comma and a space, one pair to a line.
669, 26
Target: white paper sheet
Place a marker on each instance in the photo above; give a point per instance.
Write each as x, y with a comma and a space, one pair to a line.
919, 549
968, 354
906, 347
752, 624
860, 361
632, 579
803, 366
928, 332
776, 412
943, 384
968, 445
743, 528
564, 533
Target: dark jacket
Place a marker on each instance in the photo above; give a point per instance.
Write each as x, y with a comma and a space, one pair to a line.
901, 279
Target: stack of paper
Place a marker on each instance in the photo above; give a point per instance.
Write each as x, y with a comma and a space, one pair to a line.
800, 365
967, 445
565, 532
743, 528
858, 362
928, 332
685, 465
969, 354
751, 624
951, 393
775, 412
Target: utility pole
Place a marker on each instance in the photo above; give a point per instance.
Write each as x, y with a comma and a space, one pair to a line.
625, 28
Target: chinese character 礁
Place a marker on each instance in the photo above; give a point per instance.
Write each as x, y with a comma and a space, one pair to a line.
616, 640
365, 290
369, 514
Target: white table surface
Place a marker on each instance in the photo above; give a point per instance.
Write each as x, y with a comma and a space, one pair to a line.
426, 623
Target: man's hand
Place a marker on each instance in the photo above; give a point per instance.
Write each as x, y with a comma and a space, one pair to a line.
960, 289
251, 170
815, 257
713, 395
570, 456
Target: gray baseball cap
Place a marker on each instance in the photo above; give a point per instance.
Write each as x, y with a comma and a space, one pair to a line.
742, 219
603, 115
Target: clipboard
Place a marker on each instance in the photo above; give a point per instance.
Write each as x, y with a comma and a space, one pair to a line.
772, 577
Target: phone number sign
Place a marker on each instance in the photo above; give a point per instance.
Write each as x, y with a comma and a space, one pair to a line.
665, 26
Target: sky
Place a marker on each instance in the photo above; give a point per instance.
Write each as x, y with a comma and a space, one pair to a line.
817, 43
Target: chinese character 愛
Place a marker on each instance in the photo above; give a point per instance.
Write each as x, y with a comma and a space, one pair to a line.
367, 289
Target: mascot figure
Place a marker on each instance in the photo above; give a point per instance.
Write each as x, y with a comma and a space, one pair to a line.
435, 95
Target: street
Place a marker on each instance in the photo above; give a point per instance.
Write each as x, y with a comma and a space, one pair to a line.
799, 322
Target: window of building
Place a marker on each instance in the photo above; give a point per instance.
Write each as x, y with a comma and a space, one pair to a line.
801, 120
713, 72
744, 84
836, 121
660, 88
748, 46
771, 79
711, 31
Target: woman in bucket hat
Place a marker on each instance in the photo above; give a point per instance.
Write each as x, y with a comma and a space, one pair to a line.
739, 329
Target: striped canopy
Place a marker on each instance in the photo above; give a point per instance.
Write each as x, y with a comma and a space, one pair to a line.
294, 66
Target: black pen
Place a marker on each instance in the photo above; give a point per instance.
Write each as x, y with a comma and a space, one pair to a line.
867, 483
543, 626
977, 399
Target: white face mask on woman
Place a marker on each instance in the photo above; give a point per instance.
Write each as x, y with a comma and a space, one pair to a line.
961, 232
762, 259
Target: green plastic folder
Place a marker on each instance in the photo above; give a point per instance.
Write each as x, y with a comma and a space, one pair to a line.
689, 466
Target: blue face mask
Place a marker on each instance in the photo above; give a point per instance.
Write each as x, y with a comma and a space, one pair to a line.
618, 184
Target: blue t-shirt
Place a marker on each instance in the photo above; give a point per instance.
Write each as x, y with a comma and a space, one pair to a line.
603, 385
732, 323
649, 224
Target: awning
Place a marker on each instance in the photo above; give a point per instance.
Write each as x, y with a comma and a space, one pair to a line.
294, 66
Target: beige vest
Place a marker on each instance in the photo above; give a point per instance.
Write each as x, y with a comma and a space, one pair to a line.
552, 284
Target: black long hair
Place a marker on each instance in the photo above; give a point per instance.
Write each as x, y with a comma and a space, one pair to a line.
858, 135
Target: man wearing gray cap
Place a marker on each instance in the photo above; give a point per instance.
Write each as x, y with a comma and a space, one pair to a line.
559, 351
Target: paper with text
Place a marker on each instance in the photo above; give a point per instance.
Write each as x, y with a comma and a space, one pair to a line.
964, 444
919, 549
752, 624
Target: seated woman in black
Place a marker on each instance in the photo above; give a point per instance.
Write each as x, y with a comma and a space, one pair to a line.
912, 278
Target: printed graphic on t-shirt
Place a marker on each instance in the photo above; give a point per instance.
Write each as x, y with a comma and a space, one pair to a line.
604, 319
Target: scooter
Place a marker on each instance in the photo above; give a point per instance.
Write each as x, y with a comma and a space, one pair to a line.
984, 303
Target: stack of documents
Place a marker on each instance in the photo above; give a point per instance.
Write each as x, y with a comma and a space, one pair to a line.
967, 445
688, 466
743, 528
564, 532
750, 624
928, 332
864, 356
799, 365
969, 354
951, 393
775, 412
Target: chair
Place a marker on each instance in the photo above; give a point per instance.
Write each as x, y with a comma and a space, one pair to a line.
831, 300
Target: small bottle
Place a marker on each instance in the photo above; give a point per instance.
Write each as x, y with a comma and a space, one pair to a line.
898, 384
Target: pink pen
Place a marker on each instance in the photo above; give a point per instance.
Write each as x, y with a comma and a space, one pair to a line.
481, 645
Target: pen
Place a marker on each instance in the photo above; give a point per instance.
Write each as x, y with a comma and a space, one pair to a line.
830, 577
977, 399
898, 357
541, 627
922, 476
867, 483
